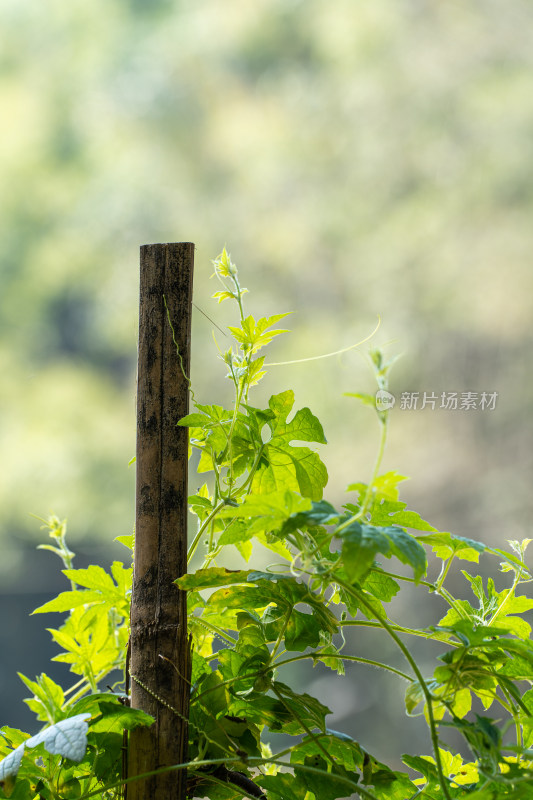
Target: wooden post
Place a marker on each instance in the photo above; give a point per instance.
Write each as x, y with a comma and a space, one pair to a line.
160, 657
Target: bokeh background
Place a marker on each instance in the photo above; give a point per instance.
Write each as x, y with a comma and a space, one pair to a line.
358, 158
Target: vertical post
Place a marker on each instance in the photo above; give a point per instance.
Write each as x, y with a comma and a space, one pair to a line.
160, 655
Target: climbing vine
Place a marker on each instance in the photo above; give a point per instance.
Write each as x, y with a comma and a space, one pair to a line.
330, 572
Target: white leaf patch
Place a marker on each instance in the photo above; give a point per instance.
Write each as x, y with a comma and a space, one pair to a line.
11, 763
67, 738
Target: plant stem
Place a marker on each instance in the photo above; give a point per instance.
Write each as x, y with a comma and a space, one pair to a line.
239, 387
281, 633
412, 663
432, 586
317, 654
252, 761
306, 728
202, 528
85, 687
433, 635
444, 571
506, 599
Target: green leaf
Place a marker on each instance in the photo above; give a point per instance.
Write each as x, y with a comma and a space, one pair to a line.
94, 577
320, 513
48, 698
461, 610
327, 781
194, 420
261, 709
302, 631
271, 542
210, 433
237, 533
89, 648
366, 399
444, 545
123, 577
284, 466
10, 738
127, 540
252, 335
200, 667
284, 786
116, 717
483, 737
413, 696
385, 487
503, 606
91, 703
407, 550
220, 296
391, 512
268, 511
302, 707
236, 669
331, 657
110, 748
69, 600
472, 634
339, 745
100, 588
224, 267
200, 505
461, 703
361, 543
380, 585
212, 577
22, 790
517, 668
510, 559
213, 696
389, 785
527, 719
255, 371
423, 764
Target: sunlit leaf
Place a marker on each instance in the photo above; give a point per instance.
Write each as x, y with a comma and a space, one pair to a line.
284, 466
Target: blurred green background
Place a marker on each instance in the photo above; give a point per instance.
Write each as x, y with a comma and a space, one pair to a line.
358, 158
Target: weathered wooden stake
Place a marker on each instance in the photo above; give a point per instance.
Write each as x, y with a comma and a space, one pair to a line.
160, 658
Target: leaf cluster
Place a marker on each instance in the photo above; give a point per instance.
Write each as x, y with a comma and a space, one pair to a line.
79, 752
335, 568
249, 624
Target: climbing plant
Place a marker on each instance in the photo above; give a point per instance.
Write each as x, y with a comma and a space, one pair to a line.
333, 569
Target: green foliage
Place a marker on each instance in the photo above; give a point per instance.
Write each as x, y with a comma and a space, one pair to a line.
80, 749
248, 625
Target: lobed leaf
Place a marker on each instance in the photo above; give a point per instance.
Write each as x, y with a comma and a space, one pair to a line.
116, 717
385, 487
361, 543
268, 511
67, 738
66, 601
254, 335
284, 466
380, 585
48, 698
392, 512
211, 578
445, 545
